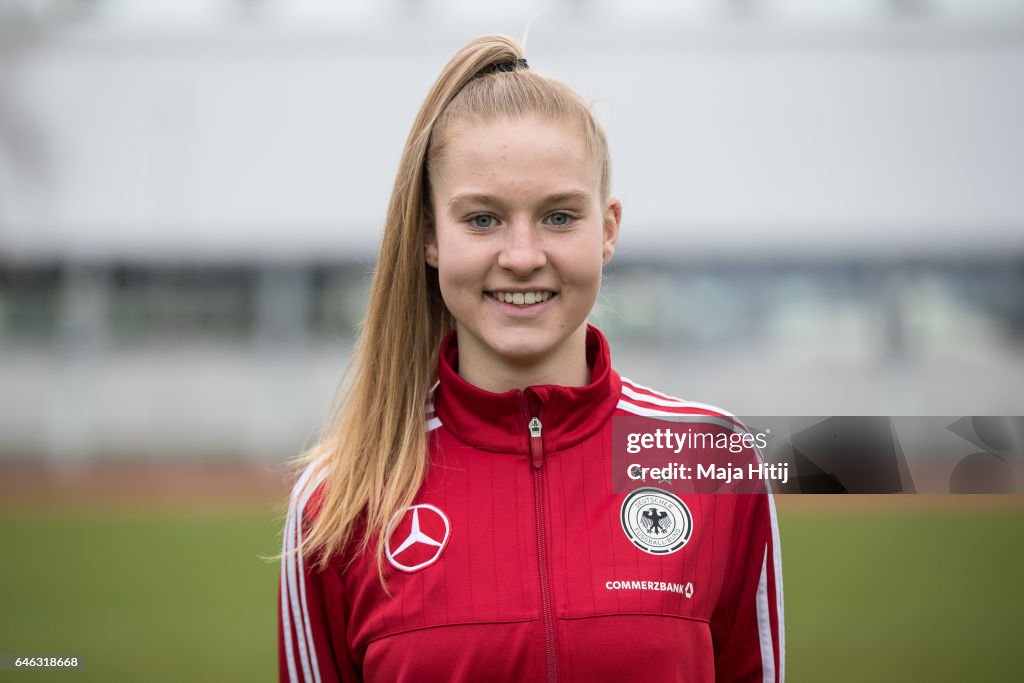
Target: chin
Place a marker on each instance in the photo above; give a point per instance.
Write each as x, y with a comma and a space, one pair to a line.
525, 353
522, 345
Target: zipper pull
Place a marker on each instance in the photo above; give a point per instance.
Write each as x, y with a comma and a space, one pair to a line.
536, 445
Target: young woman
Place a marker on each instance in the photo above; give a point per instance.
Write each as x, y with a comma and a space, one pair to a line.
457, 520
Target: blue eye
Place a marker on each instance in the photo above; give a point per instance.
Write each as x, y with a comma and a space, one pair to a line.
482, 221
560, 218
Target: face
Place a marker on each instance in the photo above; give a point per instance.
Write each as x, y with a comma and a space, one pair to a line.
520, 235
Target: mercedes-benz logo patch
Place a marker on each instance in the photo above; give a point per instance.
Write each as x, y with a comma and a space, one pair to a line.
416, 537
656, 521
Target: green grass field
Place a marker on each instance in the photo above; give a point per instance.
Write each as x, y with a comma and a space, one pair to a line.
143, 597
871, 595
916, 595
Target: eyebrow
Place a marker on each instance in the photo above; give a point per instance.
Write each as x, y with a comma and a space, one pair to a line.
558, 198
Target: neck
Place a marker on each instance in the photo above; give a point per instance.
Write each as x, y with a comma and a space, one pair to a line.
566, 365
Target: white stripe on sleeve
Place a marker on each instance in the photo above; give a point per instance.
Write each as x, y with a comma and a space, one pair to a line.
301, 574
764, 624
286, 626
777, 564
294, 611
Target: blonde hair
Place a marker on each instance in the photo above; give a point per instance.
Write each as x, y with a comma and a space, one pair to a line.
372, 454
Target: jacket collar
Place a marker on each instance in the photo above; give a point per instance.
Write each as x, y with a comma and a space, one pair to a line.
499, 422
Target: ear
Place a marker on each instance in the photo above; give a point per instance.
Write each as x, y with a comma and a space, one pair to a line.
430, 245
612, 219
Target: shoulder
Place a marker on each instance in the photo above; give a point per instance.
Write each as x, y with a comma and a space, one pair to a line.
306, 495
638, 399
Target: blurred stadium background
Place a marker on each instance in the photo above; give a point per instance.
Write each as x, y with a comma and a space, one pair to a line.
824, 214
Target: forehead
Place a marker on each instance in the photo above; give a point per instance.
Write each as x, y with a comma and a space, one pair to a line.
514, 154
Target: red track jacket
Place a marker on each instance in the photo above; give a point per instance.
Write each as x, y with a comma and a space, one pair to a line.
514, 563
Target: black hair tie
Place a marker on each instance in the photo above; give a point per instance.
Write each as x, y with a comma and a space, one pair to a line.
505, 67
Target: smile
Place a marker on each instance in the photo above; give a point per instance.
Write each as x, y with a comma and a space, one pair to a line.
522, 298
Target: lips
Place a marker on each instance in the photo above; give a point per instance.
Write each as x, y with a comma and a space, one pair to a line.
523, 298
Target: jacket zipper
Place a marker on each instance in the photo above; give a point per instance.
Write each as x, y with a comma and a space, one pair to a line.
547, 611
536, 444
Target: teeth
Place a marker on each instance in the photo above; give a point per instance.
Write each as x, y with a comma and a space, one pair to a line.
522, 298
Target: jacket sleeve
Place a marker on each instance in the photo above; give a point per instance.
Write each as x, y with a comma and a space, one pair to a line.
310, 627
747, 626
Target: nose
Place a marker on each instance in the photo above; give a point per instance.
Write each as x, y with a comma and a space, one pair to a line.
523, 251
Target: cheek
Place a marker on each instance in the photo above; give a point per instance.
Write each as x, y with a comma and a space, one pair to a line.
456, 285
584, 265
459, 269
